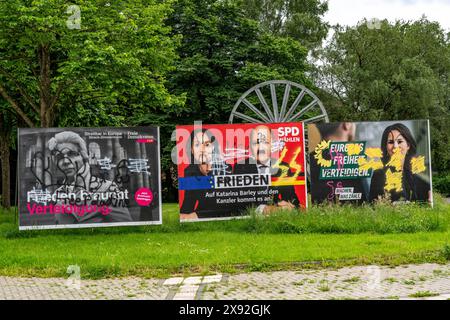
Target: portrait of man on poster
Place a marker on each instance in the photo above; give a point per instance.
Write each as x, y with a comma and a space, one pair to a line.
261, 162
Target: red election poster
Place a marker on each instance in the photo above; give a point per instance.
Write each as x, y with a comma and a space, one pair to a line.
224, 170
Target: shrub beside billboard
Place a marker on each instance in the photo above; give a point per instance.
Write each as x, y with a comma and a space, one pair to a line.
360, 162
224, 170
88, 177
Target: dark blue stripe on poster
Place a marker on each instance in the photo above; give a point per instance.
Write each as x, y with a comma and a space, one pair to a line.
196, 183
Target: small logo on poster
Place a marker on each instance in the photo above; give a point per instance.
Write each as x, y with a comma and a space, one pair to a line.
143, 197
145, 140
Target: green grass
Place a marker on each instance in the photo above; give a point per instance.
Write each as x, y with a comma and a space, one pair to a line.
324, 287
352, 279
423, 294
322, 236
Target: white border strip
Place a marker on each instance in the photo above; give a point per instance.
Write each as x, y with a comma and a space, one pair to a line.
159, 177
215, 219
18, 177
305, 164
429, 163
90, 225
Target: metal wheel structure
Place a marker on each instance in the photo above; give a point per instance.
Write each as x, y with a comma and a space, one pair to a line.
279, 101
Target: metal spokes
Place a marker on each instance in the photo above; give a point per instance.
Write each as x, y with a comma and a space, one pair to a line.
297, 104
289, 102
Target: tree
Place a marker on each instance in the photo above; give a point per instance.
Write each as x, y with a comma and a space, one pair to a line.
95, 63
222, 54
7, 132
299, 19
399, 71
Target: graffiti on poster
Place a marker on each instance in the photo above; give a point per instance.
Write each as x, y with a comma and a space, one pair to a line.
370, 161
87, 177
226, 169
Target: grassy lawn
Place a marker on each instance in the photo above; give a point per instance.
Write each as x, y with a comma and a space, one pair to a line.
324, 236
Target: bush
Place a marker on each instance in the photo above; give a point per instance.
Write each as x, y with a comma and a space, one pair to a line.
446, 252
441, 184
382, 218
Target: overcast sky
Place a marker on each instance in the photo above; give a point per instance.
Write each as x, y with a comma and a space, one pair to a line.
349, 12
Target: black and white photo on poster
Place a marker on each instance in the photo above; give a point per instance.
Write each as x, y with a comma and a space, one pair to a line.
88, 177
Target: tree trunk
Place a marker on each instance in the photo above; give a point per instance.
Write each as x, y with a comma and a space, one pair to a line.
4, 160
45, 85
6, 185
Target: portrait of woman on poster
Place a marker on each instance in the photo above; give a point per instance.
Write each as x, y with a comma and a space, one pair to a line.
414, 188
206, 160
70, 155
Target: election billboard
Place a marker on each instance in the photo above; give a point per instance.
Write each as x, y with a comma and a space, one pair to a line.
88, 177
223, 170
368, 162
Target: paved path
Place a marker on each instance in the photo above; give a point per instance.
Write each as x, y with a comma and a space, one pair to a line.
426, 281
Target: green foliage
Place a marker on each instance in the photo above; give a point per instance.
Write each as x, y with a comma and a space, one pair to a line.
325, 219
399, 71
381, 218
441, 183
111, 67
108, 71
423, 294
446, 252
121, 66
298, 19
223, 53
